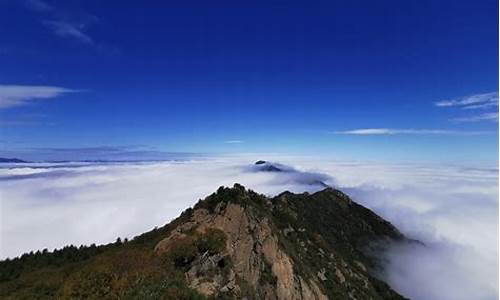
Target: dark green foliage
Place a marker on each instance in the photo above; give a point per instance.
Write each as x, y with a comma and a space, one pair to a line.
212, 241
186, 249
12, 268
123, 272
267, 276
237, 194
327, 230
183, 253
162, 289
347, 226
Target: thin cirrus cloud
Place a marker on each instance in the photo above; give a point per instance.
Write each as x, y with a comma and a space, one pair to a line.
38, 5
471, 102
395, 131
19, 95
59, 22
474, 102
69, 30
493, 116
233, 142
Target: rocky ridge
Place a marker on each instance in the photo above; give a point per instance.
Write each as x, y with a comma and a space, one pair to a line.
276, 248
234, 244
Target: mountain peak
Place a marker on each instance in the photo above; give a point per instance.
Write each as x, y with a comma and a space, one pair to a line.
266, 166
292, 246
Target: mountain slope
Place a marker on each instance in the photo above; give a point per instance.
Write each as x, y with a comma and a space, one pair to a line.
234, 244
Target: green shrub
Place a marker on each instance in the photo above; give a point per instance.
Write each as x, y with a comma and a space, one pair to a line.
184, 252
154, 289
213, 241
267, 275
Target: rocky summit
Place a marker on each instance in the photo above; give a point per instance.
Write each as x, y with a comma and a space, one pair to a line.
235, 244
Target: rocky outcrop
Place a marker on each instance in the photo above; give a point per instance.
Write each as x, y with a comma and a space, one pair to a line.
253, 251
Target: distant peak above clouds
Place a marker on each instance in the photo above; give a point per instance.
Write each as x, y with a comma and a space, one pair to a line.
265, 166
289, 174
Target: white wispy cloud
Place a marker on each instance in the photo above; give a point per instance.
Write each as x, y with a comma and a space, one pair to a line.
395, 131
69, 30
38, 5
17, 95
65, 24
233, 142
493, 116
471, 102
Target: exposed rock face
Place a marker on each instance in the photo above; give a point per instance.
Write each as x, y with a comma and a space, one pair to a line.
272, 249
252, 249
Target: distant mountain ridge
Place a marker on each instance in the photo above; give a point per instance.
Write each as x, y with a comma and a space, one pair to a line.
235, 244
12, 160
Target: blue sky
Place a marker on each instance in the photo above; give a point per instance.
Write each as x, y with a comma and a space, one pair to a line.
405, 80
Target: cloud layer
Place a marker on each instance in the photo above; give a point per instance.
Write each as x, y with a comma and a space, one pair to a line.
452, 209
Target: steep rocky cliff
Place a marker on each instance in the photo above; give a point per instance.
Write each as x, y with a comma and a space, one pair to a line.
288, 247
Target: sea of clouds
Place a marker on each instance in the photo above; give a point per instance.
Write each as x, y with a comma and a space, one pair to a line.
452, 209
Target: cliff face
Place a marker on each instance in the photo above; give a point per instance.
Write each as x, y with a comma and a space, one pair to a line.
258, 267
235, 244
